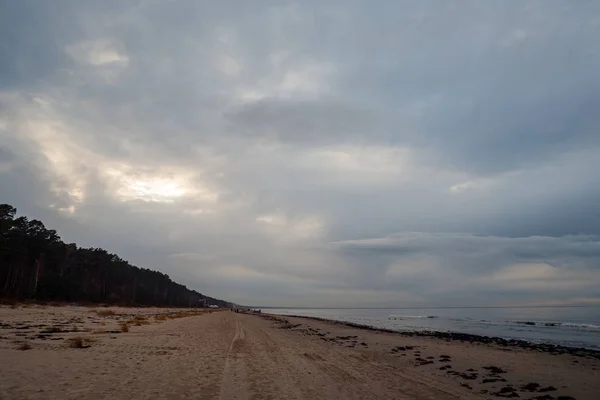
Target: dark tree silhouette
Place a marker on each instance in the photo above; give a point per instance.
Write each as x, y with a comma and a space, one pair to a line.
36, 264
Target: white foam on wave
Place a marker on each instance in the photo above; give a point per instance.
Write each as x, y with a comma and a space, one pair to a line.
584, 326
557, 324
412, 316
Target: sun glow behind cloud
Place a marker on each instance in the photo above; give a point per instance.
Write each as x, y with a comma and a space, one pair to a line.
153, 189
157, 186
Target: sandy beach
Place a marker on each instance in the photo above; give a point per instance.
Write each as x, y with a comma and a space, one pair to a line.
126, 353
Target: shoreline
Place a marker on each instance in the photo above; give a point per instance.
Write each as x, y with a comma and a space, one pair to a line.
464, 337
124, 353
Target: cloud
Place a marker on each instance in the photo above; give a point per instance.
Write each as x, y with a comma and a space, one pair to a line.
97, 53
283, 227
502, 267
566, 251
284, 152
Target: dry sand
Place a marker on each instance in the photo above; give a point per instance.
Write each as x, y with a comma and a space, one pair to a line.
225, 355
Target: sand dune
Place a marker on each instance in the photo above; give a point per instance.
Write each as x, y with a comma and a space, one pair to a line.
172, 354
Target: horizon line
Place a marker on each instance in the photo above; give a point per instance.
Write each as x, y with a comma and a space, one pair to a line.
421, 308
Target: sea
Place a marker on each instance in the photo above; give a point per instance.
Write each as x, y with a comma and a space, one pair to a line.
566, 326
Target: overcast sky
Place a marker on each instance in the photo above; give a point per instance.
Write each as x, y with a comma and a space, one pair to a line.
314, 153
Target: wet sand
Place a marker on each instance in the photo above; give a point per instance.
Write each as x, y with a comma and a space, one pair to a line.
78, 353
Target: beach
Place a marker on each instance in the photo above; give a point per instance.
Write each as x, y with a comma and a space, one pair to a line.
63, 352
563, 326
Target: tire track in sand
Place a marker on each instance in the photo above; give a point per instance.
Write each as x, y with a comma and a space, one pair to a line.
234, 384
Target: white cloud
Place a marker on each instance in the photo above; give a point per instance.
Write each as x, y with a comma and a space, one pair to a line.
362, 164
98, 53
273, 219
160, 184
463, 186
229, 66
287, 228
308, 79
540, 277
64, 162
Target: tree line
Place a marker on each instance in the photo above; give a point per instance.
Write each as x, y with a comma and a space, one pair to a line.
35, 264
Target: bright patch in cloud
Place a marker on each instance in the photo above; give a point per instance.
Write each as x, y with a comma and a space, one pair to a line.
229, 66
97, 53
305, 79
154, 189
291, 228
65, 165
463, 186
160, 186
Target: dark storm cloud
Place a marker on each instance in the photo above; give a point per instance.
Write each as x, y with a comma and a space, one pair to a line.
273, 152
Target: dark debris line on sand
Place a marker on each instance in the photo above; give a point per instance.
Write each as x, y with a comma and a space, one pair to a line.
494, 372
467, 337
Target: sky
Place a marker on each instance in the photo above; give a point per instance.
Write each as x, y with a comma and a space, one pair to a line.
314, 153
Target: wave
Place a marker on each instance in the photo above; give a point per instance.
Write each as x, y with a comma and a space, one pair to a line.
393, 317
524, 322
584, 326
558, 324
467, 319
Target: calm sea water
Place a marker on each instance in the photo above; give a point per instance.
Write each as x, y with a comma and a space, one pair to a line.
568, 326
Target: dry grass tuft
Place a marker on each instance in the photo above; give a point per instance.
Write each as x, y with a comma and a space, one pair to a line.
24, 346
105, 313
79, 342
76, 342
52, 329
138, 320
124, 328
184, 314
162, 317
